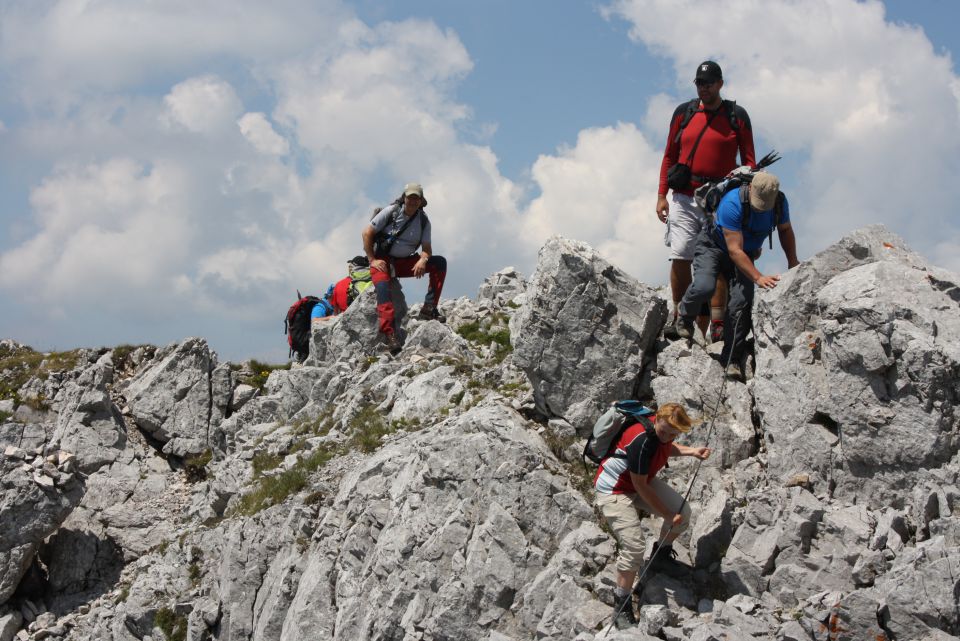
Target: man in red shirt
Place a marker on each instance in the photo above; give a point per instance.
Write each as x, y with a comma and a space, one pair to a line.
715, 131
626, 485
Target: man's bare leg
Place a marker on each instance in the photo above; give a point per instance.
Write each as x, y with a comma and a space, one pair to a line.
680, 279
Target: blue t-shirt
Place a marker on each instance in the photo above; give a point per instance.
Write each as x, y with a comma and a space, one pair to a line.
729, 216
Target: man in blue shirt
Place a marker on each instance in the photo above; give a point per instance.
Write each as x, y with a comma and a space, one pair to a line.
730, 247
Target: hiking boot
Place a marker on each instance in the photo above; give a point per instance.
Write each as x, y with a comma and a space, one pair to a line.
716, 331
733, 371
393, 343
624, 605
664, 559
430, 312
684, 328
670, 330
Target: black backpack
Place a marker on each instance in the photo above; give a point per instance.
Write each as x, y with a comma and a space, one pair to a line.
708, 195
297, 326
693, 107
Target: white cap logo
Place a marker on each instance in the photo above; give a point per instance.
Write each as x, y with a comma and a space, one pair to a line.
703, 67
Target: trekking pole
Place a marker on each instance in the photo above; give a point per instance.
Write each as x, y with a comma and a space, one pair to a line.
683, 501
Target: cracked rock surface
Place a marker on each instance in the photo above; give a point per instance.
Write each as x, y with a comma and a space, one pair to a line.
156, 493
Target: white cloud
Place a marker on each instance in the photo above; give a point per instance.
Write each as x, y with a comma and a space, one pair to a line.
384, 98
205, 104
257, 129
222, 193
60, 49
584, 188
111, 236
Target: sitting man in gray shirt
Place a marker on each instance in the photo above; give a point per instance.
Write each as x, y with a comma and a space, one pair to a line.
391, 241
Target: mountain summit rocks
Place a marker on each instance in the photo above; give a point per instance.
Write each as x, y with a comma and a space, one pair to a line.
156, 493
583, 332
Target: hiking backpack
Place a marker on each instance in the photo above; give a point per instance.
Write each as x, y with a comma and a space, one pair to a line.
693, 107
709, 195
358, 268
297, 326
609, 427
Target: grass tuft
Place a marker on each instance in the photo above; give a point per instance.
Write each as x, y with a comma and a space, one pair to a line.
264, 461
173, 626
481, 334
261, 372
195, 467
273, 490
367, 429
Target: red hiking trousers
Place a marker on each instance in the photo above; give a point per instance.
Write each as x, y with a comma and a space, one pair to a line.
403, 268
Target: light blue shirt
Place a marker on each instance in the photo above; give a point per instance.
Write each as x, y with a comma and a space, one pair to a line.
391, 219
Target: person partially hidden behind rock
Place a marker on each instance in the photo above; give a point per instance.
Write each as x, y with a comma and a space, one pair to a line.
626, 484
390, 242
730, 247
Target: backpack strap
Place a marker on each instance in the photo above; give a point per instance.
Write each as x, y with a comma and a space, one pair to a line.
777, 215
745, 208
732, 114
692, 107
393, 237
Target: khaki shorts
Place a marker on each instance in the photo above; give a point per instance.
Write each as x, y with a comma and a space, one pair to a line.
622, 514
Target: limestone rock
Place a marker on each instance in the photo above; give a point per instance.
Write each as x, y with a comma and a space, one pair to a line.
355, 332
28, 514
502, 287
172, 399
582, 332
88, 423
918, 593
862, 339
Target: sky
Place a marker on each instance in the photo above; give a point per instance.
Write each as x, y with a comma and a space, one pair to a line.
182, 168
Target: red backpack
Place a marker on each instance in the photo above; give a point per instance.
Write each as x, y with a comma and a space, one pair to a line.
297, 326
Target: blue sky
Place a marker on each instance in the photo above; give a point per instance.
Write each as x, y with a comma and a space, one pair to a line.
181, 168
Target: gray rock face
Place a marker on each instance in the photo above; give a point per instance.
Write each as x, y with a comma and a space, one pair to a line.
412, 497
919, 593
29, 512
858, 354
88, 423
355, 332
173, 400
439, 537
502, 287
582, 332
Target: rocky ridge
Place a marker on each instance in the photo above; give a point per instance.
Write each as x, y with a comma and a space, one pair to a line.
155, 493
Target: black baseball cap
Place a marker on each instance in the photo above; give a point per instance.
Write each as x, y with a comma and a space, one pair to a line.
709, 70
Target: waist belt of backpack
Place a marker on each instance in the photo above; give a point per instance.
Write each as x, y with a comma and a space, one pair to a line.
706, 179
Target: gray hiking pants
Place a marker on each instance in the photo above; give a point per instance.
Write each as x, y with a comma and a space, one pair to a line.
709, 260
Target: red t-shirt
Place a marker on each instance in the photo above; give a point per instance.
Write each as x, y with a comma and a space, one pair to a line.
716, 155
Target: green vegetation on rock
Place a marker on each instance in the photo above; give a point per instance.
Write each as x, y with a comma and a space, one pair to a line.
195, 467
493, 330
173, 625
18, 367
272, 490
261, 372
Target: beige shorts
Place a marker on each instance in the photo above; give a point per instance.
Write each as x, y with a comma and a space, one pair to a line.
622, 513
